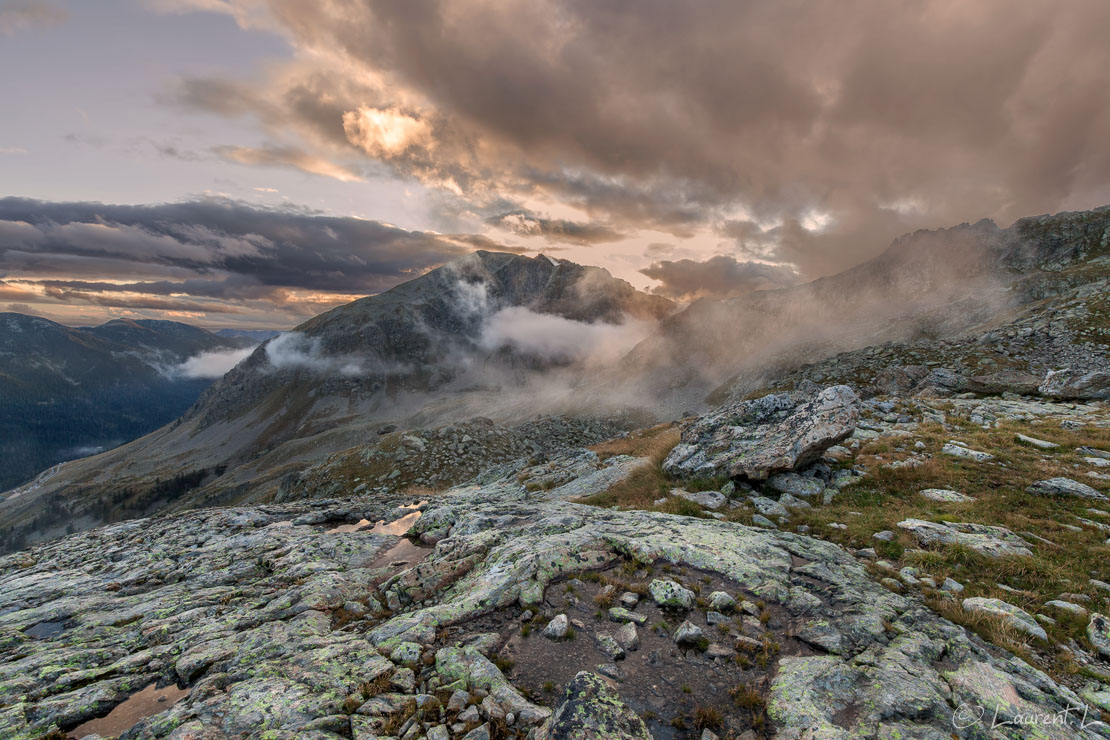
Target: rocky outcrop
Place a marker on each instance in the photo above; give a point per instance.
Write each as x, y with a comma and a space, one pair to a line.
773, 434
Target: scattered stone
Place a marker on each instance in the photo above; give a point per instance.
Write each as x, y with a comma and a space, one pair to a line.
761, 521
716, 651
629, 599
885, 536
1068, 607
628, 637
458, 701
470, 715
720, 601
790, 502
609, 645
478, 733
951, 586
669, 595
557, 628
1064, 487
945, 495
706, 499
620, 614
610, 670
688, 634
1039, 443
958, 450
769, 507
713, 618
1016, 617
796, 485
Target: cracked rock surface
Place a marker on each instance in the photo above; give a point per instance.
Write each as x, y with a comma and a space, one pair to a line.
281, 627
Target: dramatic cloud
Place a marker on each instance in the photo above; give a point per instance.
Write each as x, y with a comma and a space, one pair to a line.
717, 277
209, 256
831, 127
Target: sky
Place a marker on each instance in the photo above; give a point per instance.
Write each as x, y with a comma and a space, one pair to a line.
251, 163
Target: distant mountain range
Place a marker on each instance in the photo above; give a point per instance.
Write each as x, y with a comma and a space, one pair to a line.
71, 392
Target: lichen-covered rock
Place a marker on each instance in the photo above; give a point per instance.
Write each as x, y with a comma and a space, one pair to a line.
991, 541
590, 710
773, 434
670, 595
1065, 487
944, 495
706, 499
1012, 615
719, 601
1076, 385
259, 613
796, 485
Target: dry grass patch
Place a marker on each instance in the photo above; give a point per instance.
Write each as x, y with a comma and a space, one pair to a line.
1063, 564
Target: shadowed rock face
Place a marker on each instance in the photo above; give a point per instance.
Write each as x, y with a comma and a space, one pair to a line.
773, 434
276, 624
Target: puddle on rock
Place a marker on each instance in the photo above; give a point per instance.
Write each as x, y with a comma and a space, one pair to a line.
404, 553
397, 527
42, 630
146, 703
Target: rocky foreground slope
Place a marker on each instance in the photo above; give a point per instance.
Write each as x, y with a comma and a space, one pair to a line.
508, 610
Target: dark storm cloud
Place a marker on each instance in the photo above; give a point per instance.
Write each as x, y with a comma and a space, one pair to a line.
717, 277
211, 248
880, 117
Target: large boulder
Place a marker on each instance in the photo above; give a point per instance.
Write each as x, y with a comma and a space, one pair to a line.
1076, 385
773, 434
590, 710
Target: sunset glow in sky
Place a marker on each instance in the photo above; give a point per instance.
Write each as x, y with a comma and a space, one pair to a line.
251, 163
